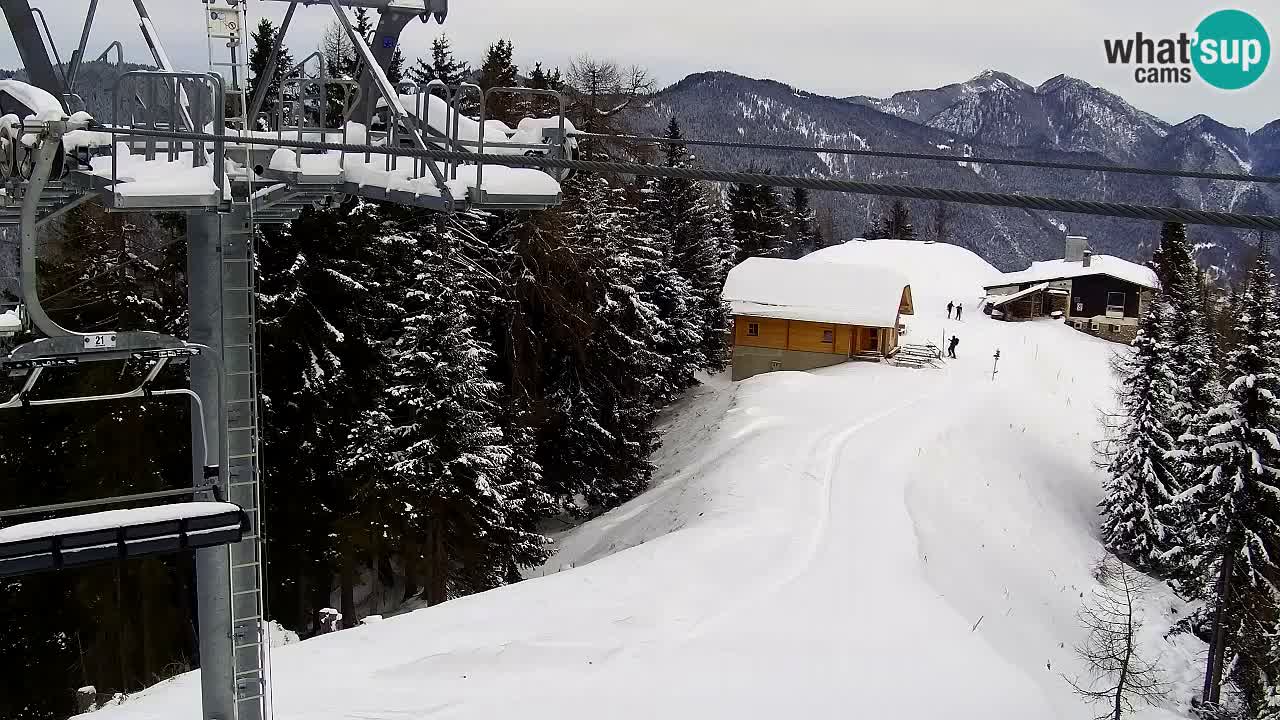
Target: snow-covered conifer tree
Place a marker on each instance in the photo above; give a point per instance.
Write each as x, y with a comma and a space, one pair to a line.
1235, 502
451, 457
682, 218
1138, 521
759, 222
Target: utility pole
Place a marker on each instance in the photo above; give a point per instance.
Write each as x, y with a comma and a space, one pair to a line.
995, 365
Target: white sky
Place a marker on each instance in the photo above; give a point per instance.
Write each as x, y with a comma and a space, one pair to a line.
835, 47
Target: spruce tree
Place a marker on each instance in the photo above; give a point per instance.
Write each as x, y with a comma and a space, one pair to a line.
540, 79
803, 235
1191, 345
324, 362
468, 515
759, 222
264, 37
1235, 503
681, 215
395, 69
499, 70
679, 331
443, 65
1139, 524
598, 370
896, 223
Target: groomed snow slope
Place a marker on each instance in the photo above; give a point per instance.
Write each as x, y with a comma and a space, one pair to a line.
860, 541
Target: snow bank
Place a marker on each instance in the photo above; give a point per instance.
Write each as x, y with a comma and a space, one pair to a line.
933, 269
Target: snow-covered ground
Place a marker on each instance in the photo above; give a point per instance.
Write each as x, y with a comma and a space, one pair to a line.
859, 541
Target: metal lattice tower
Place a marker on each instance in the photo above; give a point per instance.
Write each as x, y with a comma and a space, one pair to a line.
235, 336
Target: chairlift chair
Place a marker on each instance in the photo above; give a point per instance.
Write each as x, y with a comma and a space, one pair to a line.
100, 536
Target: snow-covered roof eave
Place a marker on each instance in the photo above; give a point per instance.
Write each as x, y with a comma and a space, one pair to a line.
836, 293
1058, 270
804, 313
1020, 294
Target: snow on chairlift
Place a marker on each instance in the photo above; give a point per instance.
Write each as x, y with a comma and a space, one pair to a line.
10, 320
113, 535
424, 9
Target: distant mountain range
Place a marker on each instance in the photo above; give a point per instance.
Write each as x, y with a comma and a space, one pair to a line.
993, 114
998, 115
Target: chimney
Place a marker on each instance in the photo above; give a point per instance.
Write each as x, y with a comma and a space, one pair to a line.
1076, 247
1087, 258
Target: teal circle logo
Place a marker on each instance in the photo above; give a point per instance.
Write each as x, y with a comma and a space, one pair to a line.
1232, 49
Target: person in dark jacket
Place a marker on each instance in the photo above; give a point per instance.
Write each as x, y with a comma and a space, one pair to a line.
950, 306
951, 348
959, 310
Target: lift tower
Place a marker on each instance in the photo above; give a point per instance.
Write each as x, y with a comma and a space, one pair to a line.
194, 143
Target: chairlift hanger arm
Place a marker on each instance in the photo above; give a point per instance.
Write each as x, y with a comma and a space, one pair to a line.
31, 47
77, 57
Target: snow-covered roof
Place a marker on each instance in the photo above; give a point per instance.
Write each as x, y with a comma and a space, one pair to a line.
934, 270
868, 295
1019, 295
1049, 270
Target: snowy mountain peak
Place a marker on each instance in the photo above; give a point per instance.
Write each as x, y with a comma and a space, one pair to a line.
995, 79
1060, 81
1204, 123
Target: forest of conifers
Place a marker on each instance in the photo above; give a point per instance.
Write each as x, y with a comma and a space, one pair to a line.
438, 393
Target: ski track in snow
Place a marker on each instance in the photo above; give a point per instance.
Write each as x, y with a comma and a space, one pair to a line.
862, 540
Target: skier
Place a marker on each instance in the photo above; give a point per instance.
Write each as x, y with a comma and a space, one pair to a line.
959, 310
951, 348
950, 306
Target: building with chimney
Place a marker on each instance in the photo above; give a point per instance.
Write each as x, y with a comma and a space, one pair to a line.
1102, 295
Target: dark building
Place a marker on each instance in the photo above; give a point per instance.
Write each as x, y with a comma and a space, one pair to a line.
1102, 295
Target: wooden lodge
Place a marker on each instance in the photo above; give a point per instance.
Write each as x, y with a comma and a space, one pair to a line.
793, 315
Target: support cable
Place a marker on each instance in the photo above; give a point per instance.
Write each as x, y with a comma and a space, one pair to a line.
1045, 164
1269, 223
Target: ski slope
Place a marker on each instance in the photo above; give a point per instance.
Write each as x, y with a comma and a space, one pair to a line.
859, 541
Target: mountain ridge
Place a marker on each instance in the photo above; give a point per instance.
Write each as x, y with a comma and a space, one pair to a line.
992, 114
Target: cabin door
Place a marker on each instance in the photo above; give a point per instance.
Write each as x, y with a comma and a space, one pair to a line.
871, 339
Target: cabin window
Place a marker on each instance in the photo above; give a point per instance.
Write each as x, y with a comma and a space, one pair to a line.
1115, 328
753, 329
829, 336
1093, 326
1115, 304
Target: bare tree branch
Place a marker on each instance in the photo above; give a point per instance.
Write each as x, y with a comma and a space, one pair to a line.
1119, 674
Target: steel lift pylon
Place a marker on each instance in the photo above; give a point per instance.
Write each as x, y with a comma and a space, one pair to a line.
233, 183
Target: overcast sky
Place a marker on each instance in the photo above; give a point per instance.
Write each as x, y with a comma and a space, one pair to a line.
835, 47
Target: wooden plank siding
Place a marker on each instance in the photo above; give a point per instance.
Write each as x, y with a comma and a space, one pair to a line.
811, 337
844, 340
805, 336
772, 332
